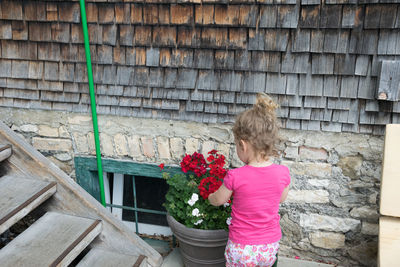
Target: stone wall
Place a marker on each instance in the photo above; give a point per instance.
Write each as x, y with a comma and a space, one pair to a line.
331, 214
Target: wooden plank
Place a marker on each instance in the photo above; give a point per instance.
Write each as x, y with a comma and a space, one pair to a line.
107, 193
389, 241
118, 194
105, 258
5, 152
302, 41
390, 180
19, 196
70, 196
389, 81
53, 240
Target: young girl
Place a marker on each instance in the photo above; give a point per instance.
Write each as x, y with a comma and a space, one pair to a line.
258, 188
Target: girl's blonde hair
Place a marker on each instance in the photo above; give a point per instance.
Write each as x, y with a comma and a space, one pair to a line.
259, 126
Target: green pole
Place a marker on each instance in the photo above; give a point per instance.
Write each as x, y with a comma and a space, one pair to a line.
92, 101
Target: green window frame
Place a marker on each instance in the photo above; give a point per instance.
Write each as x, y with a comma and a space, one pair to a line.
87, 177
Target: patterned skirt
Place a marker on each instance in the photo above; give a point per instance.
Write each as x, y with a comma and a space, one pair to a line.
238, 255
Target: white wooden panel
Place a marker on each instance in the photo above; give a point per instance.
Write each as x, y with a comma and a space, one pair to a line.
390, 181
389, 242
118, 194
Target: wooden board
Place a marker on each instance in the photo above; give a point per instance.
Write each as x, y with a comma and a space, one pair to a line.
104, 258
390, 181
389, 242
19, 196
54, 240
5, 152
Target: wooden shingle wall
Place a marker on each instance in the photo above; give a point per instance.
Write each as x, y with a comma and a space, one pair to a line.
204, 60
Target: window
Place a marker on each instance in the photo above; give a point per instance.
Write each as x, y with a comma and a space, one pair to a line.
134, 192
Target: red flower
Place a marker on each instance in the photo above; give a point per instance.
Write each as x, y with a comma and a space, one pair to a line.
161, 166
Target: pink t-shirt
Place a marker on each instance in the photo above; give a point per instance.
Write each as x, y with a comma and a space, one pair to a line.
255, 205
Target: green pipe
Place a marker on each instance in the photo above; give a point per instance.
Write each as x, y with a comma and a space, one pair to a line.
92, 101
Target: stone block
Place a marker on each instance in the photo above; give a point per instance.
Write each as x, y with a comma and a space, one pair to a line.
309, 153
351, 166
29, 128
134, 146
52, 144
328, 223
191, 145
163, 147
327, 240
177, 148
370, 229
308, 196
148, 146
181, 14
206, 147
106, 143
365, 212
291, 152
80, 143
48, 131
309, 168
121, 145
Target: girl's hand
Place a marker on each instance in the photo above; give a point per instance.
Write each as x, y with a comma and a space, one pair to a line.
221, 196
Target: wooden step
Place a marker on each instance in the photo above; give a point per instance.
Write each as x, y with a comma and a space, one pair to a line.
5, 152
389, 242
104, 258
19, 196
53, 240
390, 180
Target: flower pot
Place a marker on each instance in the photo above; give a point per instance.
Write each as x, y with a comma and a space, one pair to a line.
200, 247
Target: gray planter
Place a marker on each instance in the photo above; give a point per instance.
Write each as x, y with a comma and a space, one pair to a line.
200, 247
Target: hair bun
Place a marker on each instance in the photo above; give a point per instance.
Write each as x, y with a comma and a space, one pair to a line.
265, 104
